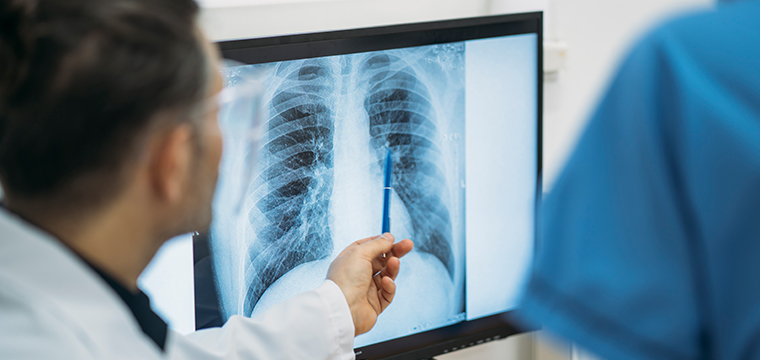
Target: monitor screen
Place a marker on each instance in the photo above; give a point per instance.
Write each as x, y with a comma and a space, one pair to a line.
457, 104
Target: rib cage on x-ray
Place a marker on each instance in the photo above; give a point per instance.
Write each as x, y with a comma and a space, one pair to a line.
292, 193
289, 200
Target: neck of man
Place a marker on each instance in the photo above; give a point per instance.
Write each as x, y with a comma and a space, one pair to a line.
116, 239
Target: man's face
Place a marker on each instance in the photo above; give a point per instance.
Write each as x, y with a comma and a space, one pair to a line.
206, 172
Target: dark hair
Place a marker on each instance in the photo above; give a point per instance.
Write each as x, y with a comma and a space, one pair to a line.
81, 81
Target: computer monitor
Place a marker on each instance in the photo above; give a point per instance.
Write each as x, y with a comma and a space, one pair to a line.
458, 104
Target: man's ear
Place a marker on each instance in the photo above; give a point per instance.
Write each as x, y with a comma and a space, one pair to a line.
172, 159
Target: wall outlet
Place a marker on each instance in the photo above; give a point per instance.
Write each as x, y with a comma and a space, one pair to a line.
555, 56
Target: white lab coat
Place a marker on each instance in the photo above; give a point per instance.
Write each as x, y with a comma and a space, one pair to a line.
53, 306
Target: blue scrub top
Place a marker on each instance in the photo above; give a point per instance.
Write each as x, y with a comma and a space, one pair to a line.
649, 245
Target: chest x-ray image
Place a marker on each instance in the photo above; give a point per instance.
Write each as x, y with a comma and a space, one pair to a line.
318, 183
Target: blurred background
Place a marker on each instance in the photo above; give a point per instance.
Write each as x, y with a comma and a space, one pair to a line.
584, 41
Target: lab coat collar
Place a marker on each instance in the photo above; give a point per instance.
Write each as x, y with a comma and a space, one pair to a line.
56, 278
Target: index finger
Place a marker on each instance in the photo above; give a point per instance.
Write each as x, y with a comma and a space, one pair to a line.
374, 248
402, 248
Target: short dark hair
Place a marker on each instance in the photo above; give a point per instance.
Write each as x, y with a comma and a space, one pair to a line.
81, 80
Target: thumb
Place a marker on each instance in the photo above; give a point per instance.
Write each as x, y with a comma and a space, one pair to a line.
377, 246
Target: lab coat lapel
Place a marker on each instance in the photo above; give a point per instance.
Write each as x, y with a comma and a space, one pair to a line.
59, 282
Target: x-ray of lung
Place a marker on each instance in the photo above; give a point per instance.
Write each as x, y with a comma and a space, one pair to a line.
318, 183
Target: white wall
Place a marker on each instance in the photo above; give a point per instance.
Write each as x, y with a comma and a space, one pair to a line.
288, 17
599, 33
234, 19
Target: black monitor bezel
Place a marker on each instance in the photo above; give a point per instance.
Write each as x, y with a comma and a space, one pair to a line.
434, 342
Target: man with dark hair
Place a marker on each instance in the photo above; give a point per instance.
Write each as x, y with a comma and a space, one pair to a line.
109, 145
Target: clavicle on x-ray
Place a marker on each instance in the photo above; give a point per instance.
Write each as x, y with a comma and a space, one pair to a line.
317, 183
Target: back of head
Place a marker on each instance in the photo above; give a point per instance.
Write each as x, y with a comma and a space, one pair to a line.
80, 83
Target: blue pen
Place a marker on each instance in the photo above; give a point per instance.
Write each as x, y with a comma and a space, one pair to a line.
387, 195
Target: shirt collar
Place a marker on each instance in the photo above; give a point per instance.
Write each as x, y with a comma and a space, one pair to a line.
139, 303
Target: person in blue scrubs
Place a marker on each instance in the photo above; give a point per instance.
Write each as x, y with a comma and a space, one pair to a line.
649, 245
